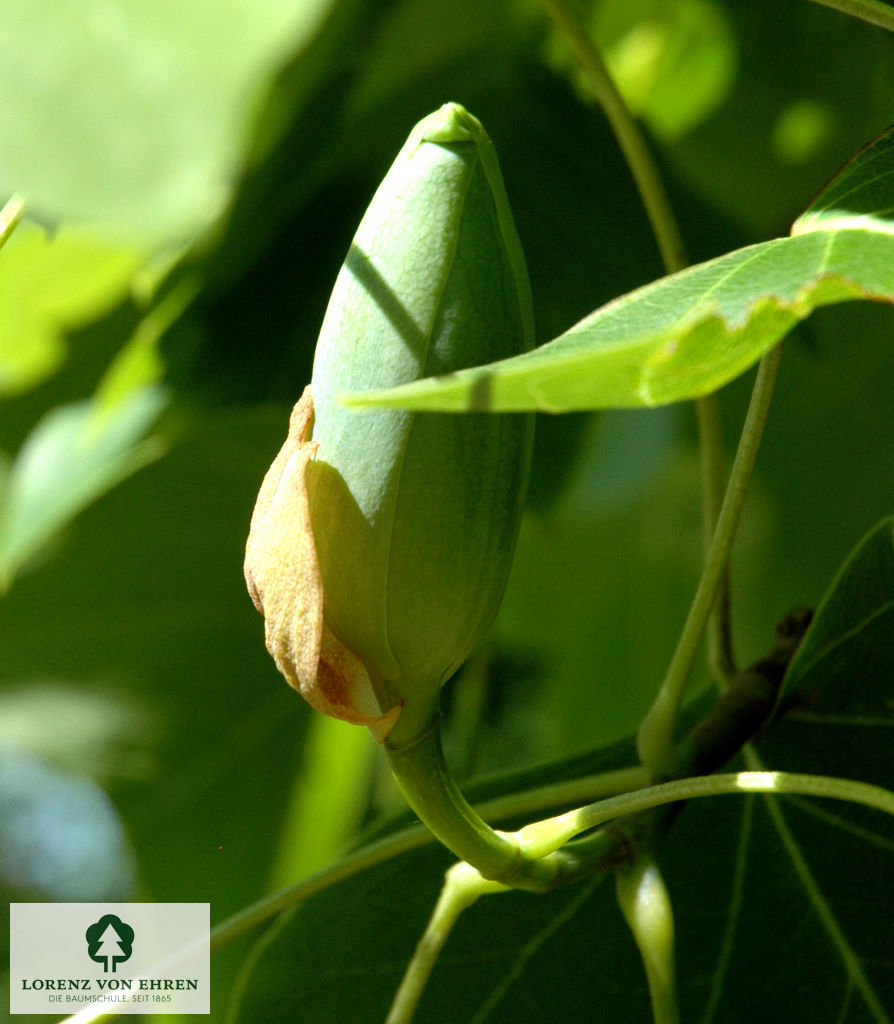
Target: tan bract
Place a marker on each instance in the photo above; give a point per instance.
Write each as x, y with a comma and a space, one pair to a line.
283, 576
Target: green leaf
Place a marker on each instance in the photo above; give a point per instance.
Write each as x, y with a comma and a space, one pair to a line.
146, 602
673, 62
74, 454
861, 195
51, 284
849, 640
731, 864
689, 334
79, 451
133, 112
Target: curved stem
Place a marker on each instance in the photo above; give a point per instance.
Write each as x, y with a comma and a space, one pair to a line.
873, 11
422, 776
627, 132
721, 659
656, 734
462, 887
667, 234
645, 903
543, 837
412, 838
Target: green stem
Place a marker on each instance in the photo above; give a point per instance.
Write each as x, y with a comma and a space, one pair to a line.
655, 741
667, 234
873, 11
422, 776
572, 791
645, 903
462, 887
415, 836
10, 216
542, 837
721, 659
630, 138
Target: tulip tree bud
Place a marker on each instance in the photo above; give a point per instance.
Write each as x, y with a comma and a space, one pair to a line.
413, 516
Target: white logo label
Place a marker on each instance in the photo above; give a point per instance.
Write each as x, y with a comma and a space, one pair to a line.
81, 958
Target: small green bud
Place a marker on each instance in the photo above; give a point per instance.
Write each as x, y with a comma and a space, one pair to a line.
414, 515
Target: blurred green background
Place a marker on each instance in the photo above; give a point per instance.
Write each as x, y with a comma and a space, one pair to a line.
148, 748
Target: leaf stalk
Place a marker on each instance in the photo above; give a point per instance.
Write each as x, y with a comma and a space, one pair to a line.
655, 741
462, 887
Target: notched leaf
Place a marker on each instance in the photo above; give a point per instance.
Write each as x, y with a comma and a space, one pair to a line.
692, 332
282, 572
676, 339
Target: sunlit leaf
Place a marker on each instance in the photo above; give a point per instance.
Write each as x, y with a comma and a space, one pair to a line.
682, 337
73, 455
861, 195
51, 284
132, 111
691, 333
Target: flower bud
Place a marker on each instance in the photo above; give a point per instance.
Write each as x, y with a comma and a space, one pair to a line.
413, 516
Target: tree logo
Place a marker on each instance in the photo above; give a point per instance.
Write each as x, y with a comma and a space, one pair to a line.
109, 942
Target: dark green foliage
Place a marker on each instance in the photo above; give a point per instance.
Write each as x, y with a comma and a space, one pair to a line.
133, 676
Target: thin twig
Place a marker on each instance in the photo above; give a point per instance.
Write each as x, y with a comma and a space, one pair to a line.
664, 225
656, 735
631, 140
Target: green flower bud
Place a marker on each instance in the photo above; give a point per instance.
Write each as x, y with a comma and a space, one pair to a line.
415, 515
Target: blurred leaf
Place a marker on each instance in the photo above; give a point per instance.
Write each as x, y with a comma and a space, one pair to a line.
328, 798
60, 837
147, 599
692, 332
802, 130
103, 732
138, 364
849, 640
614, 559
74, 454
674, 61
50, 284
132, 111
79, 451
792, 57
